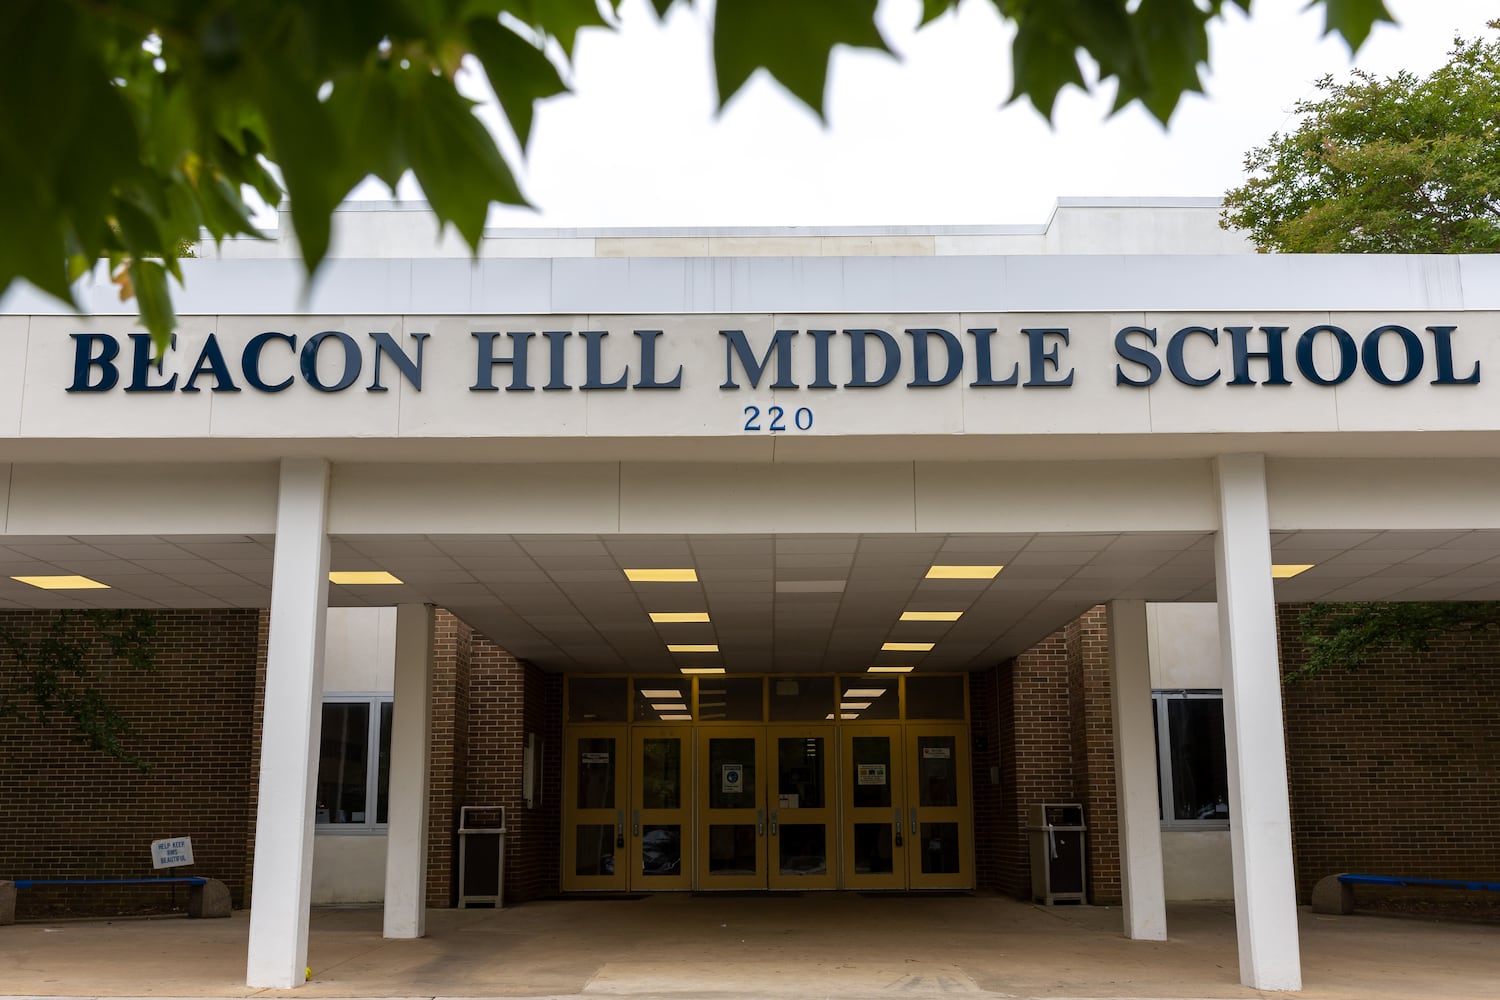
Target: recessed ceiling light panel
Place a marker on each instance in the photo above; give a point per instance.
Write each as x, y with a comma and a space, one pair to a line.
61, 582
951, 572
688, 575
372, 578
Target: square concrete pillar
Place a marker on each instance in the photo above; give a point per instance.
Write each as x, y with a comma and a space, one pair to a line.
291, 731
411, 746
1142, 885
1260, 826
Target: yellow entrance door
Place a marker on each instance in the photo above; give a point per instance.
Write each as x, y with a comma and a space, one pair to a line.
661, 811
803, 831
875, 838
594, 856
732, 782
940, 824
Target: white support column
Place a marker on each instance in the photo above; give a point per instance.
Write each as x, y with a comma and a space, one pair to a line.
1142, 885
411, 744
289, 737
1260, 826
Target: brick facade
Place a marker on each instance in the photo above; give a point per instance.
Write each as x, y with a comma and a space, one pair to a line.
71, 812
1394, 769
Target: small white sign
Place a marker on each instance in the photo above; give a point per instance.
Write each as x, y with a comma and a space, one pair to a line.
594, 758
787, 800
732, 780
172, 853
872, 774
937, 753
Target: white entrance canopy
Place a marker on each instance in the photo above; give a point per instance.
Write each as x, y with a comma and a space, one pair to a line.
811, 435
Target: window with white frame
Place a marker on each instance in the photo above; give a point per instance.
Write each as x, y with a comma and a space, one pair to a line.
1193, 777
354, 763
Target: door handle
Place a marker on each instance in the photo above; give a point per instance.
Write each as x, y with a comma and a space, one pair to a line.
619, 827
760, 822
913, 827
635, 823
898, 826
773, 822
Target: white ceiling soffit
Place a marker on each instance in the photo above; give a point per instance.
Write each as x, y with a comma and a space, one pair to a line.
786, 603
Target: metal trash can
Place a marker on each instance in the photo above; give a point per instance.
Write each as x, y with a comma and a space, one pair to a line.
481, 825
1056, 831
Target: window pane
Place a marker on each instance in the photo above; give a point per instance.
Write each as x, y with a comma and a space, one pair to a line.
596, 699
383, 781
1200, 779
934, 697
343, 761
801, 699
661, 773
938, 770
799, 772
731, 699
731, 773
596, 774
663, 699
866, 698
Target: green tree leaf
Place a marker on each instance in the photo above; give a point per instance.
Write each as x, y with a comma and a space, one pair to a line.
518, 72
1354, 19
792, 40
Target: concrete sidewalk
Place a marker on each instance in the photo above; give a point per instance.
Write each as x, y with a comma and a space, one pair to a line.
844, 946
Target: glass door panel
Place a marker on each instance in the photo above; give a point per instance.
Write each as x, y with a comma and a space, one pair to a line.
594, 810
874, 855
803, 833
939, 809
661, 818
731, 808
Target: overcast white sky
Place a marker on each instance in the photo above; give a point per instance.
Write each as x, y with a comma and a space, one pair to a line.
922, 140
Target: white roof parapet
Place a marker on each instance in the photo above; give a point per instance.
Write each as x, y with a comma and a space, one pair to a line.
669, 285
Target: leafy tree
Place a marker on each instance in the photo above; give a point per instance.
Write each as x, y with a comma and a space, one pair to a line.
1405, 164
126, 125
54, 670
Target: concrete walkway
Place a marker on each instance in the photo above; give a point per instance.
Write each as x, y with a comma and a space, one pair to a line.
843, 946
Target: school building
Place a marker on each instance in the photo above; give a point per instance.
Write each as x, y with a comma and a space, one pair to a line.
907, 559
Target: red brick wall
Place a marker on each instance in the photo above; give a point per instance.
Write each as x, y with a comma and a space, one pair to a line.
67, 811
1036, 750
507, 700
1093, 751
989, 799
448, 766
1395, 769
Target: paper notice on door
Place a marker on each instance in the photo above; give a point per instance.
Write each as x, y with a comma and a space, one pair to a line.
787, 801
594, 758
732, 779
937, 753
872, 774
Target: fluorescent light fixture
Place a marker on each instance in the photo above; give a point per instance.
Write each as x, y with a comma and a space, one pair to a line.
702, 670
868, 692
888, 670
668, 617
677, 717
660, 694
855, 706
906, 647
662, 575
372, 578
849, 715
828, 716
61, 582
931, 616
964, 572
1285, 571
693, 647
668, 707
712, 704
